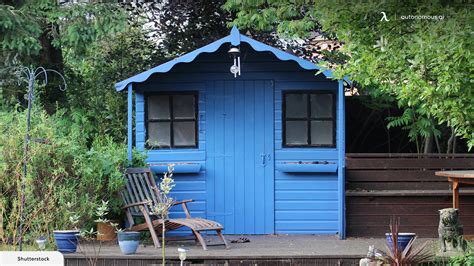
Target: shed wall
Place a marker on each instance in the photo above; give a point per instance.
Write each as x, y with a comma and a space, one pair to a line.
304, 202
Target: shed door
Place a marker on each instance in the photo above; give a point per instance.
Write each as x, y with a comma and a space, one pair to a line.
240, 149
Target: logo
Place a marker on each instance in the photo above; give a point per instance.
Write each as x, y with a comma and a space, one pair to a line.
384, 17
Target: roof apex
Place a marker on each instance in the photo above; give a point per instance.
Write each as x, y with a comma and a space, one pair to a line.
235, 38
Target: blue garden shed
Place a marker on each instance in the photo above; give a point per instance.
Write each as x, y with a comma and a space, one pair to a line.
260, 148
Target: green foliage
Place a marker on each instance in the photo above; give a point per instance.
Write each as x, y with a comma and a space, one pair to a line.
416, 126
288, 17
71, 28
80, 26
69, 173
19, 31
463, 260
425, 64
105, 63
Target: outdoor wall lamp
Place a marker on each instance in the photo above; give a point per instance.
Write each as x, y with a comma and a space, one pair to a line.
182, 254
235, 68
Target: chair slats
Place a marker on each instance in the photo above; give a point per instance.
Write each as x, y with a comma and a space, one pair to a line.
138, 192
144, 187
131, 196
140, 187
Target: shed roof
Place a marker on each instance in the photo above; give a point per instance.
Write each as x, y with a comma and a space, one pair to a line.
235, 38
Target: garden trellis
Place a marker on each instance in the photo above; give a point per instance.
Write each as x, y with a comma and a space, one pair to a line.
30, 74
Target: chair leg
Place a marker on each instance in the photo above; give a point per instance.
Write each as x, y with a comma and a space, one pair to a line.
196, 239
156, 241
219, 233
201, 239
130, 219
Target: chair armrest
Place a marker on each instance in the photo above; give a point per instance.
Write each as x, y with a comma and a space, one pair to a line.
135, 204
185, 207
182, 201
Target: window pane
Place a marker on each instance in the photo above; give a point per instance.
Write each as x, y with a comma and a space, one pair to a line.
183, 106
296, 105
158, 107
184, 133
159, 134
321, 105
322, 132
296, 133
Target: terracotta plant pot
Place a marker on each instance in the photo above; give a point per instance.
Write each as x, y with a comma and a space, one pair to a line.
106, 232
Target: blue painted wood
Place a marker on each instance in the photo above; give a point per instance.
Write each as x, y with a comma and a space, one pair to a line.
306, 168
129, 122
188, 186
296, 154
235, 38
305, 198
180, 168
305, 203
237, 137
341, 159
269, 194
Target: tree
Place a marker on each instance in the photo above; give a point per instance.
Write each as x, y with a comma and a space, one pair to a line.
421, 56
42, 33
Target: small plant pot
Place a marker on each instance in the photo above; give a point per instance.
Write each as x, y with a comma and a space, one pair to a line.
128, 242
403, 240
106, 232
66, 240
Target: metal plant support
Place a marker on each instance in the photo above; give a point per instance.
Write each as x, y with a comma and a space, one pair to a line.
30, 74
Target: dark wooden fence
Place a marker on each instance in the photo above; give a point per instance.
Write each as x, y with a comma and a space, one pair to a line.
379, 186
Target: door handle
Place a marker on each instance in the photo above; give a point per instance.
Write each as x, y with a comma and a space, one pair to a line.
264, 158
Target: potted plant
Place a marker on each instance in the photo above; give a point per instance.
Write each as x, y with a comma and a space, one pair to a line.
105, 227
105, 231
66, 240
402, 239
408, 255
128, 241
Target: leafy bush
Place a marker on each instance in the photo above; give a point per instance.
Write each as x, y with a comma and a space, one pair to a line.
73, 170
464, 260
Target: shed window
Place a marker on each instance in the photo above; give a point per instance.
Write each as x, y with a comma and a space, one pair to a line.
309, 119
171, 120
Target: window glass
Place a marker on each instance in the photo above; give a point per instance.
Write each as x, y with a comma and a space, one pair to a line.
296, 133
322, 132
171, 120
159, 134
159, 107
183, 106
308, 119
296, 105
184, 133
321, 106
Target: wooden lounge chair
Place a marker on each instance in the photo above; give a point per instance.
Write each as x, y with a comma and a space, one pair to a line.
141, 190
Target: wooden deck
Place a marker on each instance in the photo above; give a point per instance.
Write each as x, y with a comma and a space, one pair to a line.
261, 250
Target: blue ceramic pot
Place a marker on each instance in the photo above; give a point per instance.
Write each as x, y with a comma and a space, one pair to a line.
66, 240
128, 242
403, 240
